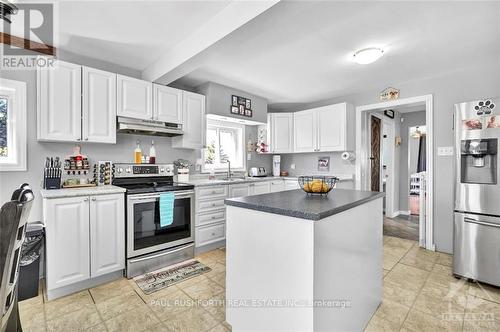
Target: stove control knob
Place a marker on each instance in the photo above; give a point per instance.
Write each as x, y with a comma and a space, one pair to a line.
119, 170
128, 170
162, 170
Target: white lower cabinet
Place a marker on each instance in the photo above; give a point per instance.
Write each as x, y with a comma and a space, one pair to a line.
107, 234
291, 184
259, 188
211, 233
210, 220
85, 238
277, 185
239, 190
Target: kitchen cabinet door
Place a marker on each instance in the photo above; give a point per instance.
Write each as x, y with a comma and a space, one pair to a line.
281, 132
332, 128
98, 106
167, 104
134, 98
67, 239
277, 185
194, 122
291, 184
239, 190
107, 234
305, 131
259, 188
59, 103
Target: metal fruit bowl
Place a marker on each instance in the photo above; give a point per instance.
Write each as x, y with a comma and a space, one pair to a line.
320, 185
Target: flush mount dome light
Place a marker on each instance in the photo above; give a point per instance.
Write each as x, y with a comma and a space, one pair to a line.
368, 55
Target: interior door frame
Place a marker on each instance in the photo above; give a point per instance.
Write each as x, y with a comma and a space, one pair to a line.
362, 151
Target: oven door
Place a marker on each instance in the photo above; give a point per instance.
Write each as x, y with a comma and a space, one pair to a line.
144, 233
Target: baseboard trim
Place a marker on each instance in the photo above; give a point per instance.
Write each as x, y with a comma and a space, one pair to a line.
53, 294
404, 213
209, 247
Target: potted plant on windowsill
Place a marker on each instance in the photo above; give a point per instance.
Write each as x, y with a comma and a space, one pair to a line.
182, 166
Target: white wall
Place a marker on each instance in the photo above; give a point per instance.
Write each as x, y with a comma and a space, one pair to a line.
122, 151
476, 81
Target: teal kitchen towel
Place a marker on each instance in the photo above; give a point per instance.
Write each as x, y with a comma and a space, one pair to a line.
167, 208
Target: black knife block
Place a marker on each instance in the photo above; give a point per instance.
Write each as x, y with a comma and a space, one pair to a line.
52, 181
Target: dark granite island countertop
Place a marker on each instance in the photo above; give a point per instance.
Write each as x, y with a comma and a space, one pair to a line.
298, 204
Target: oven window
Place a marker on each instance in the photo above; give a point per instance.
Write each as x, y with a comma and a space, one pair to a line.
147, 229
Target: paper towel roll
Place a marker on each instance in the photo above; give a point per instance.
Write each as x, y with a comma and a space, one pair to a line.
348, 156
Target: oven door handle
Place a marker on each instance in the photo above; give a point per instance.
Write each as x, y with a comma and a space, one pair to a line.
482, 223
179, 194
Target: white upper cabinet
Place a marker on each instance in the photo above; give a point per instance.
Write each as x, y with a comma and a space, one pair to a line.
324, 129
59, 103
134, 98
99, 106
167, 104
305, 125
107, 234
281, 132
194, 123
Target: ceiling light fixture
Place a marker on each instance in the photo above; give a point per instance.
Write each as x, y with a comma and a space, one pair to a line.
368, 55
7, 9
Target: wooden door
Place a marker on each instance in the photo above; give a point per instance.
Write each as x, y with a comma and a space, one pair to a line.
107, 234
99, 106
59, 102
67, 229
375, 153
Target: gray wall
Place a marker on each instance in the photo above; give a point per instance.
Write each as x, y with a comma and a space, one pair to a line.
409, 120
219, 102
307, 163
471, 82
121, 152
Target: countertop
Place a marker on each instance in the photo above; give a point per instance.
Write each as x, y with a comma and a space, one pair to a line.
297, 204
86, 191
200, 182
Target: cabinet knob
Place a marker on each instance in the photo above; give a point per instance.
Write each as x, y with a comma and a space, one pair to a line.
85, 199
213, 204
213, 234
78, 139
86, 138
213, 217
214, 192
94, 199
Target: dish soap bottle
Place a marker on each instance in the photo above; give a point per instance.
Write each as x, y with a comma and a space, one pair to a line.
138, 153
152, 153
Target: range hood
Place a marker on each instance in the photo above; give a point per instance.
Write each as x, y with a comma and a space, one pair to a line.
148, 127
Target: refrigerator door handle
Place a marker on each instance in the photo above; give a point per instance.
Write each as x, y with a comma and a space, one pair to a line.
483, 223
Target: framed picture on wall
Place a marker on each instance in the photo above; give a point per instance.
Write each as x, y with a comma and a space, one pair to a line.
234, 100
248, 104
242, 109
235, 110
324, 164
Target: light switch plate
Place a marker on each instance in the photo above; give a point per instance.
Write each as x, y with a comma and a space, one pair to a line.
445, 151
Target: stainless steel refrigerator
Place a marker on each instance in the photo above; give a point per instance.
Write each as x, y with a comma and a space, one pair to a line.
476, 238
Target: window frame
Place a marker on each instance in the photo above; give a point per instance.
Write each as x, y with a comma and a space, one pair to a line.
225, 124
15, 91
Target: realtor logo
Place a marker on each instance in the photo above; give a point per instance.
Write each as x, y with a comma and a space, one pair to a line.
30, 35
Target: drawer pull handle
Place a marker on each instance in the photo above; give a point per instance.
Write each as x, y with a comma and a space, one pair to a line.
482, 223
214, 192
213, 217
213, 204
213, 234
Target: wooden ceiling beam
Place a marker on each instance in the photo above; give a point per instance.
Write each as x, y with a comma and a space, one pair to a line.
27, 44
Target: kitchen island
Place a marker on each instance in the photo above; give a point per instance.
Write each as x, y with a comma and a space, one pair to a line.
297, 262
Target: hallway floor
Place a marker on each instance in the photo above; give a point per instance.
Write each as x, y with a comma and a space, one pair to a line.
419, 294
405, 227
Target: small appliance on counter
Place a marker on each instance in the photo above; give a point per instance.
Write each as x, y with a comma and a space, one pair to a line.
476, 234
52, 173
257, 172
276, 165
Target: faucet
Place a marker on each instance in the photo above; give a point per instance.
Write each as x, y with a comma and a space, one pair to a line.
229, 175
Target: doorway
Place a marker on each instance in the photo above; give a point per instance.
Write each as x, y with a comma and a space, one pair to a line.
397, 189
375, 152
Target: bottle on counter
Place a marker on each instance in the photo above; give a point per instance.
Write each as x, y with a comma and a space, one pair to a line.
152, 153
138, 153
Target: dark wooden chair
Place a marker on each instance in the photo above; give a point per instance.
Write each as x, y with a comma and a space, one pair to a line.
13, 218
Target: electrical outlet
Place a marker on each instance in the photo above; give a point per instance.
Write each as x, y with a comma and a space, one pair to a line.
249, 156
292, 166
445, 151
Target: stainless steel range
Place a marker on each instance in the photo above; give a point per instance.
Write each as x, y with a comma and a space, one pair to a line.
149, 245
476, 244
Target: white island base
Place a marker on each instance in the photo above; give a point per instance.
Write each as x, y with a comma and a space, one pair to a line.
278, 266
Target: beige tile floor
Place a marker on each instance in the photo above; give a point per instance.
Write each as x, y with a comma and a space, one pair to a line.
419, 294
